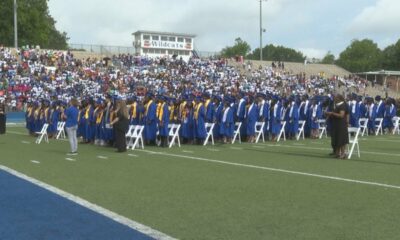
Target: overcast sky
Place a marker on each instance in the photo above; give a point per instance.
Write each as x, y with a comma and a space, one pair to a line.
311, 26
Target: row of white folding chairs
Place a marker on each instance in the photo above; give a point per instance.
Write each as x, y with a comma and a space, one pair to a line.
378, 126
134, 137
44, 135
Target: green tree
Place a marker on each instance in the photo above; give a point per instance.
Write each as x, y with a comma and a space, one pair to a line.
361, 56
35, 25
241, 48
391, 57
278, 53
329, 58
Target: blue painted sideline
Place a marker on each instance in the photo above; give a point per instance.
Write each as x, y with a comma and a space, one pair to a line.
30, 212
15, 117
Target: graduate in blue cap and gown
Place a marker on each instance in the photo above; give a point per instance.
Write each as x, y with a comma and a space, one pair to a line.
200, 120
241, 113
263, 113
150, 119
390, 113
316, 114
219, 107
187, 119
251, 119
363, 107
275, 117
55, 115
354, 109
380, 107
371, 115
99, 135
90, 122
163, 120
210, 108
134, 112
227, 123
304, 114
293, 117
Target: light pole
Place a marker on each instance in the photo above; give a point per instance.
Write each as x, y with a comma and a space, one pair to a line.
15, 25
261, 30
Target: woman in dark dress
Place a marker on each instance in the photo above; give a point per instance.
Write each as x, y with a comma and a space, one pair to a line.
2, 118
339, 134
121, 125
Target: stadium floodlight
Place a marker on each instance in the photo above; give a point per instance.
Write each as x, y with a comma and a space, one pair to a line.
261, 30
15, 25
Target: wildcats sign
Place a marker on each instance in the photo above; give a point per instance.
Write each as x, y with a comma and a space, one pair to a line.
167, 45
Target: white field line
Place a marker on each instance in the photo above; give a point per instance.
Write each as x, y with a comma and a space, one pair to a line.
277, 170
213, 150
25, 142
236, 148
70, 159
35, 162
102, 157
185, 151
132, 155
105, 212
291, 146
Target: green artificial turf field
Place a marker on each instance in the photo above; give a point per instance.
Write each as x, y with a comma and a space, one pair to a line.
289, 190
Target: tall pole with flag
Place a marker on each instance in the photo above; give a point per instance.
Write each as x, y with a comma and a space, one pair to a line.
261, 30
15, 25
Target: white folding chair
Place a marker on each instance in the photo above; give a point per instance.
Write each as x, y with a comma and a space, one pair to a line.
363, 123
128, 136
236, 133
136, 137
42, 134
302, 124
378, 126
282, 132
353, 140
260, 131
396, 123
60, 130
322, 128
174, 134
209, 129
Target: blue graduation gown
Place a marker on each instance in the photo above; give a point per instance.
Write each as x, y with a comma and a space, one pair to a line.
390, 113
200, 128
188, 125
210, 112
354, 114
318, 116
150, 129
227, 127
275, 119
363, 110
218, 117
380, 110
372, 117
163, 130
293, 122
252, 117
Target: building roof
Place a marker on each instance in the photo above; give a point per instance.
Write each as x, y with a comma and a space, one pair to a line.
164, 33
382, 72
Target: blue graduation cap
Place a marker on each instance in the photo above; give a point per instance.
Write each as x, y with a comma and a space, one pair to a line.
378, 98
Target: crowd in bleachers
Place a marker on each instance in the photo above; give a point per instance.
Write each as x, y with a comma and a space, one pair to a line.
168, 90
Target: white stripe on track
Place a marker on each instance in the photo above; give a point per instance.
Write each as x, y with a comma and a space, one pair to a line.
277, 170
105, 212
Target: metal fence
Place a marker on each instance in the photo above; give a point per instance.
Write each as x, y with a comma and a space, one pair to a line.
111, 50
102, 49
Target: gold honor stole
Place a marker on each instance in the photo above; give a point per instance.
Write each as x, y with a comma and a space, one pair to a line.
160, 111
133, 110
196, 113
147, 107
